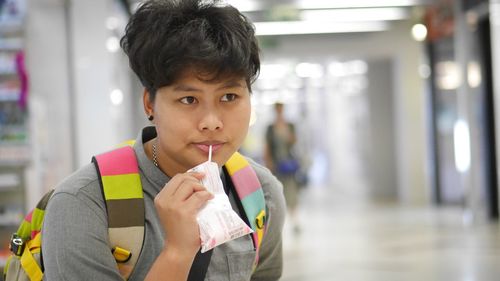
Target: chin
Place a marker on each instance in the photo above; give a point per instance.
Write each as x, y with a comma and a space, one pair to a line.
223, 159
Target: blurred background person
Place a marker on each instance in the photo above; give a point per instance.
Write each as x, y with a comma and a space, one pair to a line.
280, 158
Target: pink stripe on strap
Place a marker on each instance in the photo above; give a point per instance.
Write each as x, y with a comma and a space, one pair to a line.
255, 238
245, 181
257, 248
29, 216
34, 233
120, 161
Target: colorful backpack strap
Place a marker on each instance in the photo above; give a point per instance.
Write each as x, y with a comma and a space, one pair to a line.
25, 244
121, 185
32, 223
250, 192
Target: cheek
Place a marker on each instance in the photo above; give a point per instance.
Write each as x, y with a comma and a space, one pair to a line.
169, 128
245, 117
241, 121
245, 112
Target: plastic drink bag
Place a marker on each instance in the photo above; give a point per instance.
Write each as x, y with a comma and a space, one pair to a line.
217, 221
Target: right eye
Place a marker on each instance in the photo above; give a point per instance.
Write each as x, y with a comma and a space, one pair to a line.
188, 100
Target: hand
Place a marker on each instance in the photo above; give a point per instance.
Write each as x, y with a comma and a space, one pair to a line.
177, 205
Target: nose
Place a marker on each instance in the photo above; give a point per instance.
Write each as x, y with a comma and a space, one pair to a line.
210, 121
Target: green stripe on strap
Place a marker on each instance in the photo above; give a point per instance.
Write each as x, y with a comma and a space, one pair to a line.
114, 186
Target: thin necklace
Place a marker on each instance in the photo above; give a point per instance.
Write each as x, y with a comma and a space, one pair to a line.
155, 157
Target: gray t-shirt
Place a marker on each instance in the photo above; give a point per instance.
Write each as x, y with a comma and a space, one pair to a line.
75, 233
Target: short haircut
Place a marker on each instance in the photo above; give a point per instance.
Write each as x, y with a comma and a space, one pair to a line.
165, 38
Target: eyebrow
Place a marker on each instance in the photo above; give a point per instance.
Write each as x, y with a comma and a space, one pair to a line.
188, 88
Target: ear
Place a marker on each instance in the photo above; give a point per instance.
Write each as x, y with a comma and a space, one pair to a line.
147, 102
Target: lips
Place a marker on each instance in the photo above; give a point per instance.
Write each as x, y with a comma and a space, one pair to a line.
206, 146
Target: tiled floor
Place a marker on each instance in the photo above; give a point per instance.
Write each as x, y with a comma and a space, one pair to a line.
344, 238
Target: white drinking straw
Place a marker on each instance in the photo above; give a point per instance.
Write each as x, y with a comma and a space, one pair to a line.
210, 154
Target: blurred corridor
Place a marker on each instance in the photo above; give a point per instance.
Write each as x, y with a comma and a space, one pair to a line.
345, 238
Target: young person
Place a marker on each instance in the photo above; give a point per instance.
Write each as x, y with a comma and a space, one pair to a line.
196, 60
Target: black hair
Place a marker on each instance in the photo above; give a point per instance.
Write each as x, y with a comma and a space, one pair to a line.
164, 38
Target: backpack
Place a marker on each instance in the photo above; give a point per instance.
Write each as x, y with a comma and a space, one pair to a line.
119, 179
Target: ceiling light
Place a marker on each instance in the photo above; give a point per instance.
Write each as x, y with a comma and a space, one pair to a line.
448, 75
349, 15
474, 74
419, 32
112, 23
113, 44
273, 71
316, 27
354, 67
309, 70
337, 4
461, 143
116, 97
245, 5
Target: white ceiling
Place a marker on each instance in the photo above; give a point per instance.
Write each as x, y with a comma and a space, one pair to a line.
292, 17
256, 5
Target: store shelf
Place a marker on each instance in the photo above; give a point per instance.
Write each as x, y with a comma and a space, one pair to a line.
9, 73
9, 95
11, 26
11, 44
11, 219
9, 181
14, 154
8, 63
15, 151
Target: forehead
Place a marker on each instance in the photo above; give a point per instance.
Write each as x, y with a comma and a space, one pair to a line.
200, 75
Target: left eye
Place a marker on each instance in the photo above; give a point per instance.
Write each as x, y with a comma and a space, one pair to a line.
229, 97
188, 100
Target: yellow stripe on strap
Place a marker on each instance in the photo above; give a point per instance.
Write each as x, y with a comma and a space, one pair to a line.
126, 143
236, 163
28, 262
114, 186
260, 222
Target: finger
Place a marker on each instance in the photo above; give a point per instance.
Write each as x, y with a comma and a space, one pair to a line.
187, 188
198, 175
198, 199
174, 183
